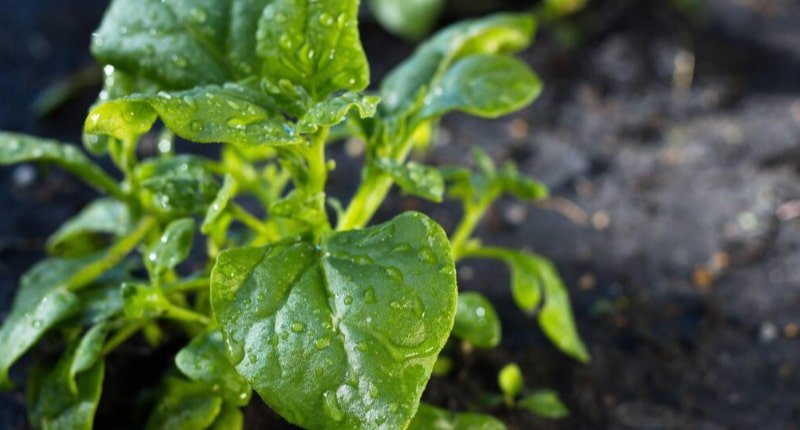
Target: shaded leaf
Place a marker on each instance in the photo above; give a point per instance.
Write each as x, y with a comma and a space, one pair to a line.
184, 405
204, 360
299, 206
476, 321
544, 403
84, 233
66, 396
41, 302
415, 179
432, 418
483, 85
172, 248
88, 352
360, 320
176, 187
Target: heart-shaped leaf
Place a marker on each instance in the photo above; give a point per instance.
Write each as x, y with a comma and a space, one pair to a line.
344, 335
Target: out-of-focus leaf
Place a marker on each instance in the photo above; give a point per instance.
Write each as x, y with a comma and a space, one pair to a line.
477, 321
204, 360
173, 247
544, 403
184, 405
411, 19
84, 233
432, 418
414, 178
177, 187
220, 203
510, 381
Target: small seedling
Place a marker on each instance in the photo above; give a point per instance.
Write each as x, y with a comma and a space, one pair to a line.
333, 323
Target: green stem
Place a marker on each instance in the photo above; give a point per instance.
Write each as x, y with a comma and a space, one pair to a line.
112, 256
184, 285
473, 213
317, 167
252, 222
122, 335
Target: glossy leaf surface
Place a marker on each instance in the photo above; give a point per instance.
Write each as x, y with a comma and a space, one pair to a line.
204, 360
483, 85
415, 179
344, 336
172, 248
177, 187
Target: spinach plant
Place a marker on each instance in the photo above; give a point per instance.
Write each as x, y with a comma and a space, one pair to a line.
333, 324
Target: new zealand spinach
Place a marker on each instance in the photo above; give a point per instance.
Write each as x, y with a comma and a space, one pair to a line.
333, 324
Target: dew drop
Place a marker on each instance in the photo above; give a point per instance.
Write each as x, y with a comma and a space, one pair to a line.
322, 343
348, 300
394, 273
331, 405
235, 351
298, 327
325, 19
426, 255
196, 126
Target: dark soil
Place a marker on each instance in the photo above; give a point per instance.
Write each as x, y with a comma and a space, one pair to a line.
675, 217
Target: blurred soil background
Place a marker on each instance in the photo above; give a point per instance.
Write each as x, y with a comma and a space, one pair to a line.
669, 133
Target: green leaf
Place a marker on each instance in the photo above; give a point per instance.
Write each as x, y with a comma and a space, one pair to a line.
58, 405
18, 148
477, 321
176, 187
535, 284
42, 301
235, 113
411, 19
432, 418
229, 418
564, 7
359, 320
483, 85
333, 111
299, 206
519, 185
495, 34
414, 178
204, 360
220, 203
510, 381
116, 84
314, 44
544, 403
556, 318
184, 405
173, 247
181, 44
99, 303
85, 233
88, 352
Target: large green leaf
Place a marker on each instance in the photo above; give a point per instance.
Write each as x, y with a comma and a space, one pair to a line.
87, 231
172, 248
344, 335
315, 44
477, 321
235, 113
483, 85
495, 34
204, 360
184, 405
408, 18
19, 148
181, 44
432, 418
